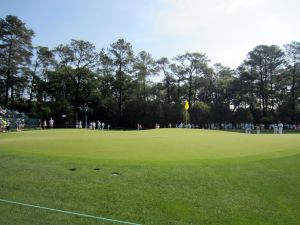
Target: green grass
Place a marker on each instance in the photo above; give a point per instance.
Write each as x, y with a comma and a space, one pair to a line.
167, 177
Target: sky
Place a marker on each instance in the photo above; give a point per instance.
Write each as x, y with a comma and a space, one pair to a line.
225, 30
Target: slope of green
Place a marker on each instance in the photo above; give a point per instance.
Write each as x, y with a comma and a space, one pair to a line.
151, 145
167, 177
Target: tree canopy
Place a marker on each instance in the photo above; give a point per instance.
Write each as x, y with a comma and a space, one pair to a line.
124, 88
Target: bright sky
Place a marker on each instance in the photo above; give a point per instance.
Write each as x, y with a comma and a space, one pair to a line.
223, 29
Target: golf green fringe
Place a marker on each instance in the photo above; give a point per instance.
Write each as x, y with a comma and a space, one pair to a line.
67, 212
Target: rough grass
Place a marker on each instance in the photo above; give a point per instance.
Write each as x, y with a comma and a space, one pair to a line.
167, 176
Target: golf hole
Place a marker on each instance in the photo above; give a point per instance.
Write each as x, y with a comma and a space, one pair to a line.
115, 173
97, 169
72, 169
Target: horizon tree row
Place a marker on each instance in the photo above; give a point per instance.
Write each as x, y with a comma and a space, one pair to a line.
116, 85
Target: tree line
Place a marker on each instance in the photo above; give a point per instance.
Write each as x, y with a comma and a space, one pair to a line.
116, 85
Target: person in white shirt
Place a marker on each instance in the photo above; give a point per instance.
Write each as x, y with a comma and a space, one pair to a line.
280, 127
51, 122
257, 129
45, 124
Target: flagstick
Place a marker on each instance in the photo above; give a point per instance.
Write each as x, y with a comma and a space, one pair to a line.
185, 118
186, 107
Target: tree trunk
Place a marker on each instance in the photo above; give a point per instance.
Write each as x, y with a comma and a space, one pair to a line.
168, 89
262, 93
190, 88
75, 109
8, 74
167, 84
293, 96
32, 86
271, 93
120, 100
144, 89
265, 87
11, 91
76, 105
195, 94
178, 90
30, 96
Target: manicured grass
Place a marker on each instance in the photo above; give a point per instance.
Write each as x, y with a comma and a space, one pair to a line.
167, 176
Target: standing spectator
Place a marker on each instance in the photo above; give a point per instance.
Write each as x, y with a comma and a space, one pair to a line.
262, 126
8, 126
246, 128
18, 125
280, 127
275, 128
22, 124
45, 124
103, 125
257, 129
51, 122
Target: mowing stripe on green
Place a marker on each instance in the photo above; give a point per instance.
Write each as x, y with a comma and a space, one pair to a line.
68, 212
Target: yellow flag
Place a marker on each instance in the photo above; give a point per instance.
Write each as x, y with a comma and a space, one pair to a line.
187, 106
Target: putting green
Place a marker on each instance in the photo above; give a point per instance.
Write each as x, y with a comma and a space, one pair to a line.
148, 145
166, 177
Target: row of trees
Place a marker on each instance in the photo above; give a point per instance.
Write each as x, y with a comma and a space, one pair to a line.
116, 85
